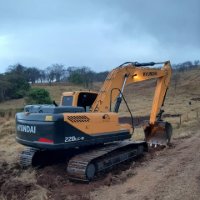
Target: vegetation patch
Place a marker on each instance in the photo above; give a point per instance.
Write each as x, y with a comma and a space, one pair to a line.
38, 96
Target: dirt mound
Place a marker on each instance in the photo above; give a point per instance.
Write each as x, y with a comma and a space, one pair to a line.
16, 189
55, 180
11, 188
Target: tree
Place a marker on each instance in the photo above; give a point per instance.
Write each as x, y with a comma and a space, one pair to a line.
18, 86
58, 71
4, 86
88, 78
196, 62
101, 76
38, 96
17, 69
81, 76
50, 75
14, 83
32, 74
42, 75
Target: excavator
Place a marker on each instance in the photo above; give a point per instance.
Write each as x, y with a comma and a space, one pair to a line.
87, 123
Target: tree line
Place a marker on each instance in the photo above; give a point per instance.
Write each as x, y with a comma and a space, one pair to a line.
56, 73
188, 65
17, 80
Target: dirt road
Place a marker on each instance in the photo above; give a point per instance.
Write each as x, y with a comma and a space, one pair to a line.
173, 173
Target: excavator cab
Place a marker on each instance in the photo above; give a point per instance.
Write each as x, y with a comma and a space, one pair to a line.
83, 99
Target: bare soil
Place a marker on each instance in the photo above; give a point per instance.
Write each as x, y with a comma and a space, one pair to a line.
173, 173
169, 173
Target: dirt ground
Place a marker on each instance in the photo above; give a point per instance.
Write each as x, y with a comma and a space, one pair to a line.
173, 173
169, 173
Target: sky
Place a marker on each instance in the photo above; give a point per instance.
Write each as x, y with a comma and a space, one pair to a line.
100, 34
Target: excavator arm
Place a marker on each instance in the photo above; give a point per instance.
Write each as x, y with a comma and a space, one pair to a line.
130, 73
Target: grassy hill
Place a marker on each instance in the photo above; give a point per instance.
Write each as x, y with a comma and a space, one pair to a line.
184, 88
30, 183
139, 96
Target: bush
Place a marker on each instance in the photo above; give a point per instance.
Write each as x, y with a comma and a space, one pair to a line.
13, 86
38, 96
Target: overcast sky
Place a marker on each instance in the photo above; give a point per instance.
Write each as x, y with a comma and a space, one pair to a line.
100, 34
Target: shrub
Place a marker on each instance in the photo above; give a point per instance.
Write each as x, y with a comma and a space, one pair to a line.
38, 96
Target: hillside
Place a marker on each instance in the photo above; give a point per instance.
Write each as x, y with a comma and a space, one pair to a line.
170, 173
187, 85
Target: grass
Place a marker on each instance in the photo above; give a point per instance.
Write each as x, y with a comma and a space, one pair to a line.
9, 148
12, 104
139, 97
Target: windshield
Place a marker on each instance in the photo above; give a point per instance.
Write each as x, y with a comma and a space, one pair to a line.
67, 100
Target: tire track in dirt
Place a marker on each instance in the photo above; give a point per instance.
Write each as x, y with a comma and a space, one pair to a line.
173, 174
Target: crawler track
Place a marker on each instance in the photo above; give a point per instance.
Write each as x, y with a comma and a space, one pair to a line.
85, 166
26, 157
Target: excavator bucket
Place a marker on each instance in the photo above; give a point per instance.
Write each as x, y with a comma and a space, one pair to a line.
158, 134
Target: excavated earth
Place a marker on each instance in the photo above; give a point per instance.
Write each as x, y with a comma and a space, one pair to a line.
169, 173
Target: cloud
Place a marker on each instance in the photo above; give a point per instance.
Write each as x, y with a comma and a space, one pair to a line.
99, 34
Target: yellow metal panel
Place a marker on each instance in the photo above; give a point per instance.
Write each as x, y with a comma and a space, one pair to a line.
95, 123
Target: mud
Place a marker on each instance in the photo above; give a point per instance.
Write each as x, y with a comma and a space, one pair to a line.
11, 188
169, 173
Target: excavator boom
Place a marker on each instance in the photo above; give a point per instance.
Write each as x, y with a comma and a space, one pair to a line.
130, 73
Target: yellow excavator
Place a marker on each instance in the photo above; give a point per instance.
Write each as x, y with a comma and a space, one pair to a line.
86, 123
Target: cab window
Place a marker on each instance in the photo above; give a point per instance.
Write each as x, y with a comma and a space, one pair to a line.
67, 100
86, 100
